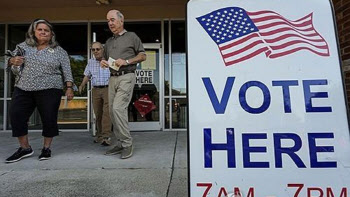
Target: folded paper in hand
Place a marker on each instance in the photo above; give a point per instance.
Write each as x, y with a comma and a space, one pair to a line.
111, 64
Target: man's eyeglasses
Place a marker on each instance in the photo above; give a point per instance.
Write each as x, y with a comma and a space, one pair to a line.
95, 49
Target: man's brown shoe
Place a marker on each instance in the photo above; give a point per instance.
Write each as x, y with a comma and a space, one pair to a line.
106, 142
114, 151
98, 140
127, 152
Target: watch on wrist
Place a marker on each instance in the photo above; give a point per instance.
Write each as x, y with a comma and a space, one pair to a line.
127, 62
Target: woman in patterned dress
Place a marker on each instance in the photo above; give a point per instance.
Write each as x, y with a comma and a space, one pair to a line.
42, 70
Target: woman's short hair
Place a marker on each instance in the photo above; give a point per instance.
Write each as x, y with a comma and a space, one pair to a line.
31, 40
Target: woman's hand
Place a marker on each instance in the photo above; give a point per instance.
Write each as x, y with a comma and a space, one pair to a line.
17, 60
69, 94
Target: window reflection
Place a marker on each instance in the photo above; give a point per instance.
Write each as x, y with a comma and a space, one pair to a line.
2, 70
2, 63
178, 57
166, 75
76, 46
179, 74
149, 32
166, 58
179, 113
178, 101
73, 114
1, 114
16, 35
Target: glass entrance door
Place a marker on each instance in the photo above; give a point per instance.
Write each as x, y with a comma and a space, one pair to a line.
145, 109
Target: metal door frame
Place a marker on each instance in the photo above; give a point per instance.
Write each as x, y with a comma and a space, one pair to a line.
154, 126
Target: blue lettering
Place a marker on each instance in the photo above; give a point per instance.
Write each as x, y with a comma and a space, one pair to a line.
229, 147
247, 149
286, 94
315, 149
243, 100
308, 95
279, 150
219, 107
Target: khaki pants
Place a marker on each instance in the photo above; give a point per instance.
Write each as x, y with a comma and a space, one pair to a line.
101, 110
120, 91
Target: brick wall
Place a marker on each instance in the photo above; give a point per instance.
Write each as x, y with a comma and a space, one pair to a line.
342, 12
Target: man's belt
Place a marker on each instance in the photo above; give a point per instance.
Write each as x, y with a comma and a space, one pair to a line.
118, 73
106, 86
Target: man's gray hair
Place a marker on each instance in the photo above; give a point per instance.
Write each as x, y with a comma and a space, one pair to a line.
31, 40
96, 42
120, 15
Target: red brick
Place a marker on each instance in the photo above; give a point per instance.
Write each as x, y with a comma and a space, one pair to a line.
345, 31
347, 74
346, 12
345, 44
343, 19
346, 36
346, 5
342, 7
338, 8
346, 24
346, 57
342, 26
347, 88
336, 1
348, 93
340, 29
338, 17
337, 4
347, 50
347, 82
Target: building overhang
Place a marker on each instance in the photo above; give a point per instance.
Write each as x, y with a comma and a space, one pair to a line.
89, 10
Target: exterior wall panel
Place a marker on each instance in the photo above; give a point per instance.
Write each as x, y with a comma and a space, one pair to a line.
342, 12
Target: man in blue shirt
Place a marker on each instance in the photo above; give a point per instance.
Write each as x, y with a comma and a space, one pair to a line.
99, 80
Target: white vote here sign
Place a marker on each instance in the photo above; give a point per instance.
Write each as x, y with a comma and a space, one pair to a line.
144, 76
267, 111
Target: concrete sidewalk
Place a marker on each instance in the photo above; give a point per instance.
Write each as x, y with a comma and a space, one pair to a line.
79, 168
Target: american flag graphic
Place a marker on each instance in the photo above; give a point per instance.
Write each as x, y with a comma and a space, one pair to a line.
241, 35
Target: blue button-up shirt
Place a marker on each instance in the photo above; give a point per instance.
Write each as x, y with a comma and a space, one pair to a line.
98, 76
